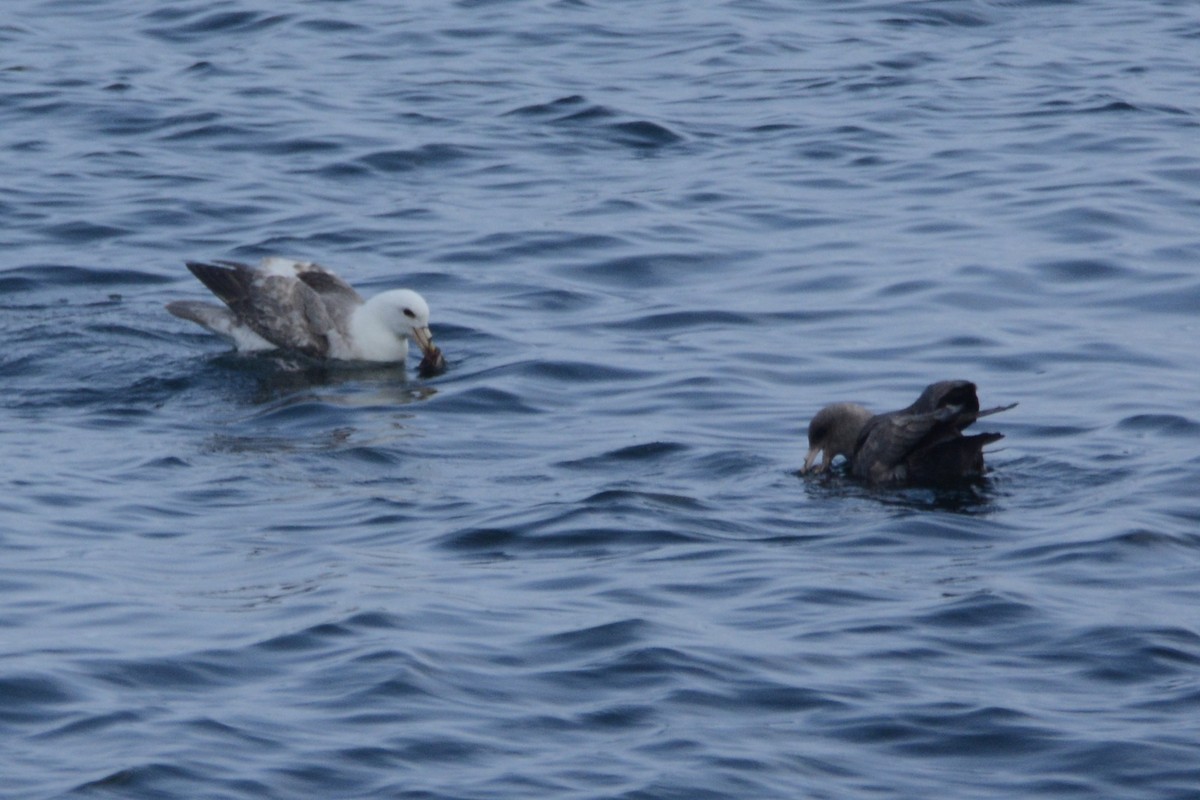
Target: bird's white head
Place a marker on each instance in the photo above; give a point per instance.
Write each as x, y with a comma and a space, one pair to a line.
405, 315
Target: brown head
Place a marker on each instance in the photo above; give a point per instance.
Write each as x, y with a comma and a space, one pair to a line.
834, 432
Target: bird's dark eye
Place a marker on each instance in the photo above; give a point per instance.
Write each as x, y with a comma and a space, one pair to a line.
408, 312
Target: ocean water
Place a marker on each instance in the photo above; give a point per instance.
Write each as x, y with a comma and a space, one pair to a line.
656, 238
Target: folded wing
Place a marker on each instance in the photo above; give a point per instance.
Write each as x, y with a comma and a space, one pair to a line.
284, 310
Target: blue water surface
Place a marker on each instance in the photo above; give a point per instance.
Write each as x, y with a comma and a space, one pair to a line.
656, 238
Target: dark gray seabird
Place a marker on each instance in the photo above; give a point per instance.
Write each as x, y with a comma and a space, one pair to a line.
921, 444
301, 307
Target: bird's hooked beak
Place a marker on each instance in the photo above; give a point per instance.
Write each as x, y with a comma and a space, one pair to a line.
813, 452
424, 339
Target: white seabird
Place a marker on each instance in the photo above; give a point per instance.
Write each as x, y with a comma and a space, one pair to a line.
301, 307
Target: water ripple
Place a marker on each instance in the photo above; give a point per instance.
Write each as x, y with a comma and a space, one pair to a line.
581, 562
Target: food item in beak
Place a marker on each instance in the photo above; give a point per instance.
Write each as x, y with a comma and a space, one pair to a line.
434, 363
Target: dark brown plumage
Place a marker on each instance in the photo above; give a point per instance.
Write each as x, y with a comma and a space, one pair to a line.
921, 444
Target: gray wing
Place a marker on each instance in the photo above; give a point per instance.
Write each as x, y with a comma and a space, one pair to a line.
285, 311
995, 410
957, 393
339, 297
889, 439
952, 460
